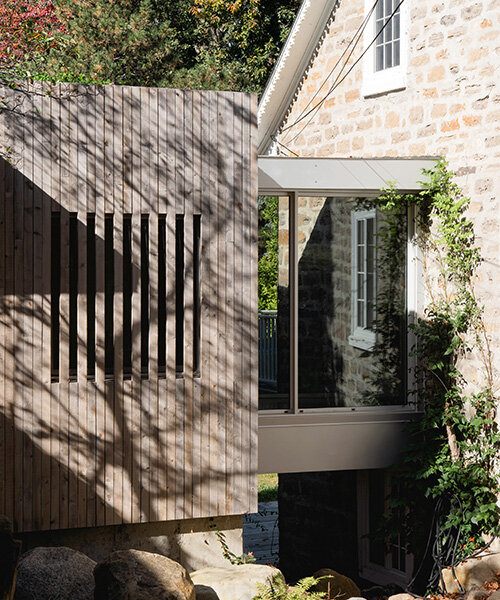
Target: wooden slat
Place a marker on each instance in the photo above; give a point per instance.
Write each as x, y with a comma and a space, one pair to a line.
188, 303
82, 193
25, 372
238, 314
18, 348
210, 354
197, 133
38, 311
170, 168
251, 274
3, 323
9, 330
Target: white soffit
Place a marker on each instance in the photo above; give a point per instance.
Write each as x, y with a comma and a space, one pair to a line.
306, 32
340, 176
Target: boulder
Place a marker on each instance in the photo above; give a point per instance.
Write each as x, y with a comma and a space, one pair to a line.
138, 575
205, 592
379, 592
495, 595
335, 585
472, 573
235, 582
55, 574
403, 596
476, 595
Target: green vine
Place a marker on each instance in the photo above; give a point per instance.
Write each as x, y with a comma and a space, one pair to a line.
234, 559
454, 447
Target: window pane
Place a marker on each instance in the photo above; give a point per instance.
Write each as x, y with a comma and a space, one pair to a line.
388, 32
361, 232
379, 58
397, 60
388, 56
388, 8
361, 286
274, 304
396, 25
379, 12
332, 370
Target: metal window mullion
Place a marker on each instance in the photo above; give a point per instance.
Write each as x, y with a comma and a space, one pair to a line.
365, 273
294, 302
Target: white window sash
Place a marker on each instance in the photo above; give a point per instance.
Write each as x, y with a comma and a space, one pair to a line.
385, 80
360, 337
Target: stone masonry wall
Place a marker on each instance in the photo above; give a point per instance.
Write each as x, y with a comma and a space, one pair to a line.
450, 107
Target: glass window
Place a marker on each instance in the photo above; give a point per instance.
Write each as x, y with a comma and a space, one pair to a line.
341, 359
274, 304
387, 30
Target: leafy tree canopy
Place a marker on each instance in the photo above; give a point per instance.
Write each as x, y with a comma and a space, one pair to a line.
206, 44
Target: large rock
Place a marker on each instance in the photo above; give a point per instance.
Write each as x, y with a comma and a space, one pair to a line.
235, 582
55, 574
335, 585
137, 575
472, 573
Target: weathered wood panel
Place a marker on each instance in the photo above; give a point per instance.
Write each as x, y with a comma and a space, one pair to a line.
85, 440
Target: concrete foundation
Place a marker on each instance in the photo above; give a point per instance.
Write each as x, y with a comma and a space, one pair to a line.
191, 542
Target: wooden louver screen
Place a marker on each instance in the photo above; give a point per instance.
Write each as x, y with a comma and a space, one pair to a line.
118, 275
127, 296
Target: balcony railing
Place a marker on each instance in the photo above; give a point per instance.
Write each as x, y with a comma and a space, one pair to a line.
268, 349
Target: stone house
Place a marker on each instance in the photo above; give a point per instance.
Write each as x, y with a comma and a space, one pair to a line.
426, 86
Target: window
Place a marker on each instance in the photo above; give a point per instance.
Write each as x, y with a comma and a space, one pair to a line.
363, 280
379, 561
386, 59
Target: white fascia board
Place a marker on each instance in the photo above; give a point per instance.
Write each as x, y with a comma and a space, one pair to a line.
340, 176
306, 32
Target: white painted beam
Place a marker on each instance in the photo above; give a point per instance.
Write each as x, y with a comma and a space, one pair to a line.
340, 176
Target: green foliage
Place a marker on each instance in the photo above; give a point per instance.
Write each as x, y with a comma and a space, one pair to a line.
113, 41
267, 487
237, 41
453, 448
206, 44
277, 589
233, 558
268, 253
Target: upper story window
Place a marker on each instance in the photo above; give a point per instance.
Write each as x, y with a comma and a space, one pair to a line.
386, 59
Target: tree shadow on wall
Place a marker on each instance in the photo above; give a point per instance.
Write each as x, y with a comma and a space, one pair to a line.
88, 449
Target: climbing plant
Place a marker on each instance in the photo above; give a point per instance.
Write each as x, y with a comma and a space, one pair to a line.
453, 450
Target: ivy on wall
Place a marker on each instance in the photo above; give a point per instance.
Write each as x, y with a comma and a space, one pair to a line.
454, 448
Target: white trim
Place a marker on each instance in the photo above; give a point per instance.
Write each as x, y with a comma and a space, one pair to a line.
344, 177
305, 34
386, 80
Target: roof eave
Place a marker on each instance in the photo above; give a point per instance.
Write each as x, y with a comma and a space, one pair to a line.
307, 30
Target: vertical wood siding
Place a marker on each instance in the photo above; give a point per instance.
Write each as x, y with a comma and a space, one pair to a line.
84, 439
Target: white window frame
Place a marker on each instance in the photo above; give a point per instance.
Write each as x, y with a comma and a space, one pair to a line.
379, 574
361, 337
386, 80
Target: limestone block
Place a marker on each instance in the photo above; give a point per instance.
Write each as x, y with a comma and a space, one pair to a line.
234, 582
472, 573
